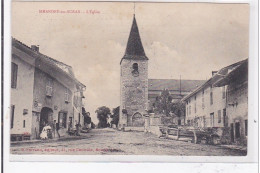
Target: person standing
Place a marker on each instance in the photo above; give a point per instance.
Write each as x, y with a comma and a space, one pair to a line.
57, 128
77, 128
54, 128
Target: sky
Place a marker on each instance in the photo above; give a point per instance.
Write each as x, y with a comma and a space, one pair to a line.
187, 39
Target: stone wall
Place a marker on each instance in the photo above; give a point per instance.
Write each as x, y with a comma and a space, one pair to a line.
133, 90
237, 110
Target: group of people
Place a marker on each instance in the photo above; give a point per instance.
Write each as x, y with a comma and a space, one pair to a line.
50, 130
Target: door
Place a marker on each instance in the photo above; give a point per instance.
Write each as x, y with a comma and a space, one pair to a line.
237, 129
232, 132
46, 117
138, 120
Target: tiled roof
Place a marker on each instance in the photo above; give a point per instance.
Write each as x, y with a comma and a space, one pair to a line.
174, 84
215, 78
55, 63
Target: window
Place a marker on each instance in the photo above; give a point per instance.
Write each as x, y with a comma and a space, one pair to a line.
223, 92
189, 109
202, 98
219, 116
212, 119
211, 96
23, 123
62, 119
49, 87
14, 70
12, 116
204, 121
225, 118
195, 107
246, 127
66, 95
135, 66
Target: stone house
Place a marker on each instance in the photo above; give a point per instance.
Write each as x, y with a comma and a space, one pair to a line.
237, 102
50, 93
206, 106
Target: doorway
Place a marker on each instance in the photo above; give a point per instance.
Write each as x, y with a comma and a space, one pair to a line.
237, 129
137, 120
46, 117
232, 132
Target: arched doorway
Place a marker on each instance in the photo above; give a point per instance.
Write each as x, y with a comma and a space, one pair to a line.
138, 120
46, 117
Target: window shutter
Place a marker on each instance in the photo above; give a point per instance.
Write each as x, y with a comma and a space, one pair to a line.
14, 69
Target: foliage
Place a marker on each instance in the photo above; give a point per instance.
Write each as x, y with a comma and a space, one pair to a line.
115, 115
163, 103
178, 109
102, 115
87, 118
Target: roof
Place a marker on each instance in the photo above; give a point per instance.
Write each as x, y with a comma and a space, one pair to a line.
134, 48
240, 73
174, 84
64, 68
216, 77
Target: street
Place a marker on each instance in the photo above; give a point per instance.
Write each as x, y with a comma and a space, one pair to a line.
112, 142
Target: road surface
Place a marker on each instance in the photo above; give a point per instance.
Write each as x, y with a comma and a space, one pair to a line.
112, 142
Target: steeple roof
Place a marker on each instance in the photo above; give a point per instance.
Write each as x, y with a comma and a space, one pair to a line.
134, 48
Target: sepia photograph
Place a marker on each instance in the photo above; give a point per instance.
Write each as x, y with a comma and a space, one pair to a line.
129, 78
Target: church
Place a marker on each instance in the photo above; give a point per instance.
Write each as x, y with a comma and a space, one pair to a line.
137, 92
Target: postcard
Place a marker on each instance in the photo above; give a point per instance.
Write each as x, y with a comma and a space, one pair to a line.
130, 79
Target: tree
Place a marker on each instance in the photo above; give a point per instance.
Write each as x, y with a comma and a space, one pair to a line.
115, 115
102, 115
87, 118
163, 103
178, 109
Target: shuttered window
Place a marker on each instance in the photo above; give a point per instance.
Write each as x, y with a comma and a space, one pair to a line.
219, 116
14, 70
66, 95
49, 87
12, 116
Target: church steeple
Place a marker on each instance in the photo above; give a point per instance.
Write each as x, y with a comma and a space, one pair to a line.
134, 48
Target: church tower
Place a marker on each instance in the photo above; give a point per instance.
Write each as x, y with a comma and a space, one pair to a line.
133, 81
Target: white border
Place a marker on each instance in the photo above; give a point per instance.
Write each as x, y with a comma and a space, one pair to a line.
252, 156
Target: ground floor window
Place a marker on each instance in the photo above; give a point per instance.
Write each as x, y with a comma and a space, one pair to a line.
212, 119
225, 118
219, 116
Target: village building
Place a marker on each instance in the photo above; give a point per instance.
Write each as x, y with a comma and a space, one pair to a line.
43, 91
208, 106
137, 92
237, 102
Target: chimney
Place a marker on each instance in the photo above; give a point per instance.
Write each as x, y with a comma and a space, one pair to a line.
214, 72
35, 48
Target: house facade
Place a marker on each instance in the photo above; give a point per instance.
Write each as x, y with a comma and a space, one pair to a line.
53, 94
237, 102
206, 106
